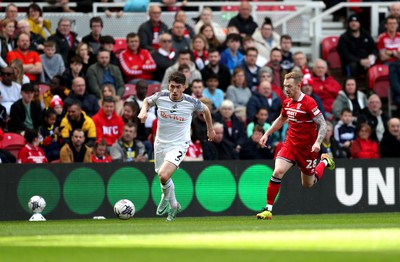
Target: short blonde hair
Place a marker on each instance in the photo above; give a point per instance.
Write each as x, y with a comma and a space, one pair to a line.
296, 76
227, 104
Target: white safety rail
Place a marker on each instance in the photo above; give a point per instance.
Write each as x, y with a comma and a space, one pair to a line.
316, 34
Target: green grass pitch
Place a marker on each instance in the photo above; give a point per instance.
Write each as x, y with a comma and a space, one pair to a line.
333, 237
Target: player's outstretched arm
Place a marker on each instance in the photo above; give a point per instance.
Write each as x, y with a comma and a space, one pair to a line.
322, 129
276, 125
143, 112
210, 128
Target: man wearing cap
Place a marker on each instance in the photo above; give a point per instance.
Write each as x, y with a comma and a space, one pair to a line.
24, 113
356, 48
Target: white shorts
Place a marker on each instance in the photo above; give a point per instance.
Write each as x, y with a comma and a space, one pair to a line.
170, 153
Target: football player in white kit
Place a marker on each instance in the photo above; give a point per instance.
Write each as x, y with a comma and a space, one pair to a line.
174, 111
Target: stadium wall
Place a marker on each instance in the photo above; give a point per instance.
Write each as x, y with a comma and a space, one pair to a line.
223, 188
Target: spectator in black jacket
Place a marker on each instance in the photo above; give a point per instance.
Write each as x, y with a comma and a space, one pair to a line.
220, 148
251, 149
390, 143
164, 56
24, 113
244, 22
356, 48
215, 67
88, 102
151, 29
93, 38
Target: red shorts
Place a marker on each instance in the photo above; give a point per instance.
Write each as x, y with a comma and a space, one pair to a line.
302, 156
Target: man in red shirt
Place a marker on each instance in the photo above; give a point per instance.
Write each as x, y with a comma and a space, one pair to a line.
109, 125
136, 63
30, 59
302, 143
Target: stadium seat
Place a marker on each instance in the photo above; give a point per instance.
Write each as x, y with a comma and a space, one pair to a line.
13, 143
120, 44
230, 8
329, 52
378, 81
43, 88
153, 88
130, 90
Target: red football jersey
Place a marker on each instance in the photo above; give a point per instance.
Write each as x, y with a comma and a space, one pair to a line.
302, 128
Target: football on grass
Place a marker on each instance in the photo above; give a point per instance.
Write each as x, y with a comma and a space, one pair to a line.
124, 209
37, 204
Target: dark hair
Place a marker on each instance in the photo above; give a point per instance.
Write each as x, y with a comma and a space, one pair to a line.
255, 120
213, 50
76, 59
78, 130
183, 67
389, 17
268, 21
107, 39
184, 52
35, 7
135, 109
30, 135
258, 129
96, 19
197, 80
276, 49
102, 50
131, 35
49, 43
177, 77
97, 144
141, 83
233, 37
287, 37
75, 103
250, 49
346, 110
129, 123
212, 75
108, 99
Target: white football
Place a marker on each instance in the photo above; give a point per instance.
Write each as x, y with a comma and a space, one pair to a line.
124, 209
37, 204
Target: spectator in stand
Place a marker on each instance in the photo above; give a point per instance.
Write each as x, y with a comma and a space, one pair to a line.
300, 63
8, 34
180, 15
109, 125
199, 49
244, 22
231, 57
99, 153
250, 67
136, 63
56, 88
75, 150
58, 106
18, 67
66, 40
31, 153
220, 148
50, 135
107, 42
164, 57
329, 145
345, 131
264, 97
4, 49
82, 50
287, 63
248, 42
141, 93
25, 114
183, 58
208, 32
266, 38
128, 148
185, 69
239, 92
149, 31
194, 151
390, 143
265, 73
233, 126
77, 119
102, 72
394, 10
108, 90
274, 63
93, 38
37, 23
197, 88
206, 17
350, 97
215, 67
10, 91
212, 92
363, 146
30, 59
251, 149
325, 86
356, 48
130, 114
52, 63
87, 101
74, 70
3, 118
36, 41
307, 88
374, 117
11, 12
179, 41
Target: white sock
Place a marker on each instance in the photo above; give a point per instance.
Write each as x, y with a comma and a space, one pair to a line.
325, 162
172, 199
167, 188
269, 207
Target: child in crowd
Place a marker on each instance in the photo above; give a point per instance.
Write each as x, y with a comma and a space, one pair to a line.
74, 70
213, 93
99, 153
53, 64
345, 131
231, 57
57, 104
50, 135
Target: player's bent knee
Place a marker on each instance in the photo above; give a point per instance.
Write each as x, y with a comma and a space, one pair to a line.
278, 173
163, 177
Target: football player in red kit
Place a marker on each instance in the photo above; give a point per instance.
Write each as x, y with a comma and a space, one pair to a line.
302, 141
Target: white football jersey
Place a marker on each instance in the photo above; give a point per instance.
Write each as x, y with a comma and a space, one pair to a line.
174, 118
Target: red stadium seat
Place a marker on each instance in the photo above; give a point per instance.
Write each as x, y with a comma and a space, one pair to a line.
120, 44
329, 51
283, 8
378, 80
13, 143
43, 88
130, 90
153, 88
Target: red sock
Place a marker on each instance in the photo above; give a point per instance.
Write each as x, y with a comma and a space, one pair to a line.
319, 170
274, 185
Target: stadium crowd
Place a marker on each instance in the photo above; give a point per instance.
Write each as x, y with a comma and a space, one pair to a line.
94, 93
